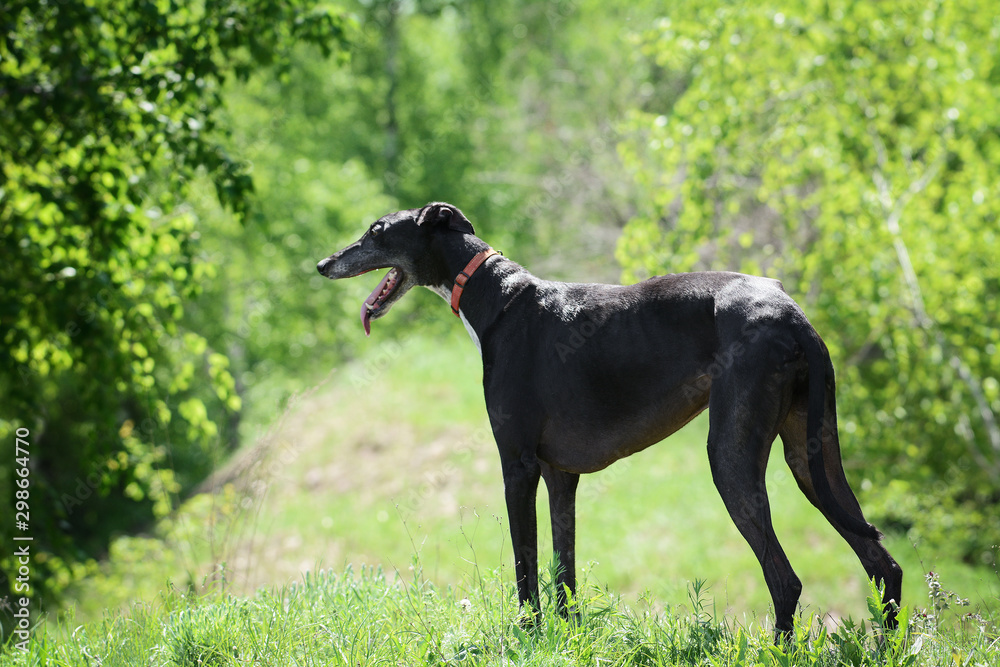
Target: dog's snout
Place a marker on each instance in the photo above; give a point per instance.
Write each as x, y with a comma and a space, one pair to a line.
323, 263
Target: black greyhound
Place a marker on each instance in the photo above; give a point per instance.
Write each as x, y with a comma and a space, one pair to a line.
578, 376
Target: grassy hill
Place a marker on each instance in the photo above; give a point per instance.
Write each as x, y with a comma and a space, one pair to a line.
389, 464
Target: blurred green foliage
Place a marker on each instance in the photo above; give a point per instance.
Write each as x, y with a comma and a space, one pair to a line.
108, 111
851, 150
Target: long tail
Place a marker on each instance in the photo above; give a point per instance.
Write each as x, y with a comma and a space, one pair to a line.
820, 379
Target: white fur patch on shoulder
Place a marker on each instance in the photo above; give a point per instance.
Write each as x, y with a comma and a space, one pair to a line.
441, 291
472, 332
445, 293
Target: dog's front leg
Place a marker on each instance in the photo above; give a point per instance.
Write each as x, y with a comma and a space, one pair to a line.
562, 508
520, 478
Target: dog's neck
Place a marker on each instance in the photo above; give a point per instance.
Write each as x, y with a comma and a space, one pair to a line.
492, 286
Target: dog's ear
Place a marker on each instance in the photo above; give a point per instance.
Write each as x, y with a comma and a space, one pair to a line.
440, 213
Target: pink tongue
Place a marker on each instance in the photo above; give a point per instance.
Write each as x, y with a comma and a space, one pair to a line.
366, 319
366, 314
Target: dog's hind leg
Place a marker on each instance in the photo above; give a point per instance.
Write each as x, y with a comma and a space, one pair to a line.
878, 564
743, 416
561, 486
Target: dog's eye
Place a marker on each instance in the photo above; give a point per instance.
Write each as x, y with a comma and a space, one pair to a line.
375, 230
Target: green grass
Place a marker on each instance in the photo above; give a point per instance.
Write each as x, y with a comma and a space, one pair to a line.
367, 618
390, 461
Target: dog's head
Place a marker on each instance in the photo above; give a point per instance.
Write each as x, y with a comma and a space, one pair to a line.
401, 242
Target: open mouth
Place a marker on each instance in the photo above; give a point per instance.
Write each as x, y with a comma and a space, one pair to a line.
372, 306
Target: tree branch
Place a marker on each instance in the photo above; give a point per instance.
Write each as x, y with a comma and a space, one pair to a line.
894, 212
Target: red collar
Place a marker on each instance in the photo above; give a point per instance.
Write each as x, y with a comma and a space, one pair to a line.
463, 277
